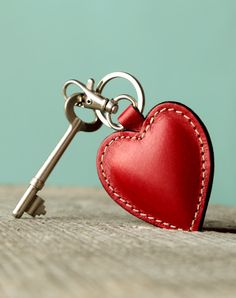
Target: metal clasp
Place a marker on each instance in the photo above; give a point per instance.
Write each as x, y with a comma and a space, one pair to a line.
91, 99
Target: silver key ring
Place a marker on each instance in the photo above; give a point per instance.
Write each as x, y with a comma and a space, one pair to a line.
105, 117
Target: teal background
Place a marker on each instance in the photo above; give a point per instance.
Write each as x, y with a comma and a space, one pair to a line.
179, 50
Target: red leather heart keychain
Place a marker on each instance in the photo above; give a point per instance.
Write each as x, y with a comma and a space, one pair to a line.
158, 168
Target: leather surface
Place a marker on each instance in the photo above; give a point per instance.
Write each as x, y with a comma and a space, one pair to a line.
162, 172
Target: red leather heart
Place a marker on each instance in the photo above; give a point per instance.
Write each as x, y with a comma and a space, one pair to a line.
163, 172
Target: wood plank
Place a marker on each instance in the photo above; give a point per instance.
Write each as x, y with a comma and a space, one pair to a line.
87, 246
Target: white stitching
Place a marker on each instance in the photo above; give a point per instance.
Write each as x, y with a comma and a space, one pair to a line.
140, 138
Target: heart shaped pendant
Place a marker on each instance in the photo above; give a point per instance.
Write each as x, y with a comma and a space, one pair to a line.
160, 168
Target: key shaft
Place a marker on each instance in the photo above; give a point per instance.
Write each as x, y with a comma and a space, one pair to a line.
30, 196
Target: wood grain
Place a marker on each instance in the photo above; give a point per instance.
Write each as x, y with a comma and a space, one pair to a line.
87, 246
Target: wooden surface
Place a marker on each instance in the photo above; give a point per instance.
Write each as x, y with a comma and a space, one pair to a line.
87, 246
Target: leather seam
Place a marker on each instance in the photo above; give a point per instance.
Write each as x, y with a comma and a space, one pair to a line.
203, 169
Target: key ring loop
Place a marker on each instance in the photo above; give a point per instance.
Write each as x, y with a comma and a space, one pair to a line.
104, 116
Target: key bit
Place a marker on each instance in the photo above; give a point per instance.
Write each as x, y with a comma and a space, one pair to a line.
37, 207
30, 201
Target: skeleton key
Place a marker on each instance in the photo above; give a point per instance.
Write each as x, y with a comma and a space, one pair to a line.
30, 201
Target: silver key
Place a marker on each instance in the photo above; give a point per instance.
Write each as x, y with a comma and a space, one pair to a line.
30, 201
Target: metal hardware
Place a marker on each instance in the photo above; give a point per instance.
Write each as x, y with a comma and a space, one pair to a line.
102, 106
116, 99
104, 116
30, 202
91, 99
